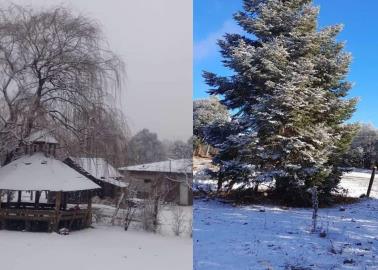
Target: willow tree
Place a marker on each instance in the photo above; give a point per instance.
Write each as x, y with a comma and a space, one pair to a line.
54, 65
289, 93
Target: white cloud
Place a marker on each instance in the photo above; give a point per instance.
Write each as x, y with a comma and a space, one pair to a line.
208, 46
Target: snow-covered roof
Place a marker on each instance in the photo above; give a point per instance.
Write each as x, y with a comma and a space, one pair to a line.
174, 166
100, 169
42, 136
38, 172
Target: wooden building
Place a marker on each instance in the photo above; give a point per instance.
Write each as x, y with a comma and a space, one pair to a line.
172, 178
36, 189
100, 172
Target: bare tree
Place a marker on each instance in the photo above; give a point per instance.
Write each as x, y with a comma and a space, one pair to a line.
187, 171
178, 221
104, 134
190, 227
55, 66
152, 205
179, 149
149, 213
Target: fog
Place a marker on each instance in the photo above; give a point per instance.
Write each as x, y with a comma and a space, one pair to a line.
154, 38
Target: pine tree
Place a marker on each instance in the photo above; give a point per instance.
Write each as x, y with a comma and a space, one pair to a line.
289, 94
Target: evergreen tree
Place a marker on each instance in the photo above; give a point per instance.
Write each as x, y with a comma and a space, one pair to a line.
207, 113
179, 150
145, 147
288, 91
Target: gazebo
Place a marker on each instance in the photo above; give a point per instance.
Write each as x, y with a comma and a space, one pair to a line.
24, 181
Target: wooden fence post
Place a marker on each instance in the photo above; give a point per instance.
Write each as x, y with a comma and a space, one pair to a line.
371, 181
315, 207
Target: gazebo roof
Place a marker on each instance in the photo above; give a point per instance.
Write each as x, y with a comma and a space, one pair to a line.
38, 172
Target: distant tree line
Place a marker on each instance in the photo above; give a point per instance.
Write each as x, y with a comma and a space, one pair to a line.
145, 147
363, 151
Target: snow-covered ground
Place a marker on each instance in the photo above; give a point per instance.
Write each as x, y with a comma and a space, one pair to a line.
167, 218
268, 237
102, 247
357, 182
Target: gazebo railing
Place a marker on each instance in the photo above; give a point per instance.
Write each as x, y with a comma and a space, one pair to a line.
26, 214
37, 214
13, 213
26, 205
52, 217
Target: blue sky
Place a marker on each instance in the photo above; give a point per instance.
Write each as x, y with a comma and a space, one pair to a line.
213, 18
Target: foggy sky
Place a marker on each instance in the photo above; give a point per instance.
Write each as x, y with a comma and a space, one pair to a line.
154, 38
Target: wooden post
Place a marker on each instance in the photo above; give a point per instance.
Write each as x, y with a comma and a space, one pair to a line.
37, 197
19, 193
58, 201
89, 209
371, 181
64, 202
1, 220
315, 206
19, 197
8, 197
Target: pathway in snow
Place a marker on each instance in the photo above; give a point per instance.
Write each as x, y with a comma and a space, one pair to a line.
257, 237
94, 249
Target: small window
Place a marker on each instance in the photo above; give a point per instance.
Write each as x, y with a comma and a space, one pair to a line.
146, 181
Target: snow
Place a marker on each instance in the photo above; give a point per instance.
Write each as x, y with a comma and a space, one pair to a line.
357, 182
42, 136
102, 247
170, 166
38, 172
100, 169
268, 237
165, 218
